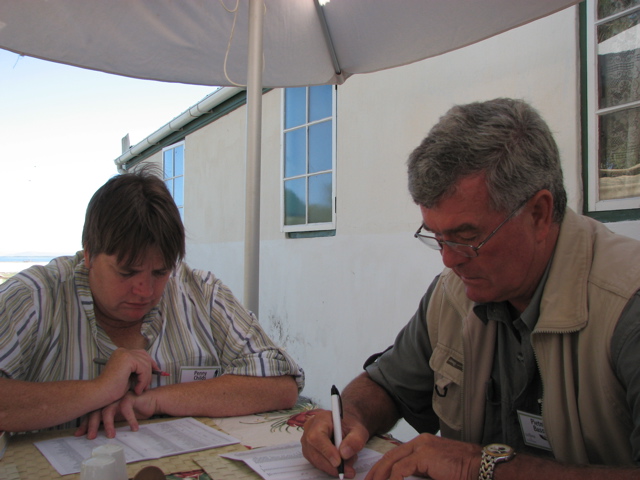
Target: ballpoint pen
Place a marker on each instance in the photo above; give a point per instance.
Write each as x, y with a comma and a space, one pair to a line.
102, 361
336, 414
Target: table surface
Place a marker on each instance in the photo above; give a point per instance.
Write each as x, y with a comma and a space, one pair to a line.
23, 461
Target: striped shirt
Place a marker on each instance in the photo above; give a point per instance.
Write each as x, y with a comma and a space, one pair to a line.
48, 328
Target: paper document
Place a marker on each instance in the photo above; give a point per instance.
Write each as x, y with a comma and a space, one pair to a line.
155, 440
286, 462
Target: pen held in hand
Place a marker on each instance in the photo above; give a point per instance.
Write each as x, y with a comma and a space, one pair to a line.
336, 415
102, 361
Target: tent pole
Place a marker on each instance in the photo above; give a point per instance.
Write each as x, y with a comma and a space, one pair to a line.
253, 160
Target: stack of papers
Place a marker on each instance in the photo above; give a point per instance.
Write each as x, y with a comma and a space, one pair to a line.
152, 441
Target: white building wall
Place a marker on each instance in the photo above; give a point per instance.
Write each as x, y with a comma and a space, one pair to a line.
333, 301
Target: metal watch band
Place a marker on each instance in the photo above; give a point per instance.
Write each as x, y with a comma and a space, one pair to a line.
487, 465
492, 455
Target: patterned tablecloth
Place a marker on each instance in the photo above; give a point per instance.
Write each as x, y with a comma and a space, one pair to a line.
23, 461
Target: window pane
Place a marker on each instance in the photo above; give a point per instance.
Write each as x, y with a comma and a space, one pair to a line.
295, 153
308, 157
178, 161
607, 8
295, 103
319, 102
178, 191
620, 155
168, 163
320, 198
295, 202
619, 61
169, 184
320, 147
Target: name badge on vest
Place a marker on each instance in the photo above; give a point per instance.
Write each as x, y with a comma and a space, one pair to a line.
193, 374
533, 430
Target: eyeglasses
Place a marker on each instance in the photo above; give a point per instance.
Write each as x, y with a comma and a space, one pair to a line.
463, 249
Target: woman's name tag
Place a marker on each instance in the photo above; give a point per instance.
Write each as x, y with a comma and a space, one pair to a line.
193, 374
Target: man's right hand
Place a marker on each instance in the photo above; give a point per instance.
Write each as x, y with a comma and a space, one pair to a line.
318, 446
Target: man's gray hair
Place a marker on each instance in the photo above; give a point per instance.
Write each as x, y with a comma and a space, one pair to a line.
505, 139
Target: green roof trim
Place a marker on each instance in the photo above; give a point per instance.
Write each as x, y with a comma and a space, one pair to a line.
203, 120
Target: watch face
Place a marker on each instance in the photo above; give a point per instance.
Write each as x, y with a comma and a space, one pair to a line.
498, 450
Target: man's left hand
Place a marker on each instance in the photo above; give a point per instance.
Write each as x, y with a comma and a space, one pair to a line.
429, 456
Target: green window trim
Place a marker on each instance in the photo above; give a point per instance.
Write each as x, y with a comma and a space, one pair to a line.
630, 210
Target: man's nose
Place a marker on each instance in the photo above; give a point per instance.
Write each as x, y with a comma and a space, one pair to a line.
452, 258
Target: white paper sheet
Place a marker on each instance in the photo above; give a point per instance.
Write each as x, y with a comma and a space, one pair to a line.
155, 440
286, 462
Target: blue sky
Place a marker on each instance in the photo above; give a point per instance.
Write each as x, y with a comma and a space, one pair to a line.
60, 131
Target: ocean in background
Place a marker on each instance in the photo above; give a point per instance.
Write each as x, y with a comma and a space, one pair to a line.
27, 258
16, 263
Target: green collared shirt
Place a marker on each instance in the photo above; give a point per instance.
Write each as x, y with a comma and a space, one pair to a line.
515, 383
403, 371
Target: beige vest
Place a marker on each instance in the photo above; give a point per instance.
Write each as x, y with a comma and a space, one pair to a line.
593, 275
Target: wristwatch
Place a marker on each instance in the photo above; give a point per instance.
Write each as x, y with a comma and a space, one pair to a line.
492, 455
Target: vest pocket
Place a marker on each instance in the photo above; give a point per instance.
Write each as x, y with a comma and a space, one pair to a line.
447, 366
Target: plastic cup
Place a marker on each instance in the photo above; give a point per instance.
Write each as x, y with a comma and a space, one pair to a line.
116, 452
98, 468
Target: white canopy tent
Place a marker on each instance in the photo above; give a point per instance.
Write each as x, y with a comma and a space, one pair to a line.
254, 43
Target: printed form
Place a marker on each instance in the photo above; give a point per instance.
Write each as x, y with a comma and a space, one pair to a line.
286, 462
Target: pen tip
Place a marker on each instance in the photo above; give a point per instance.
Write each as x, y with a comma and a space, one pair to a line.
334, 390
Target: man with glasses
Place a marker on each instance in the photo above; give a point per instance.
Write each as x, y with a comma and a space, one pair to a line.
525, 351
463, 249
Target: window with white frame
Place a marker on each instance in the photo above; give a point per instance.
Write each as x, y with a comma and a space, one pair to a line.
613, 104
308, 159
173, 173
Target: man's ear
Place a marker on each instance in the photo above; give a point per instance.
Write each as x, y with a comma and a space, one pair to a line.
87, 257
542, 213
